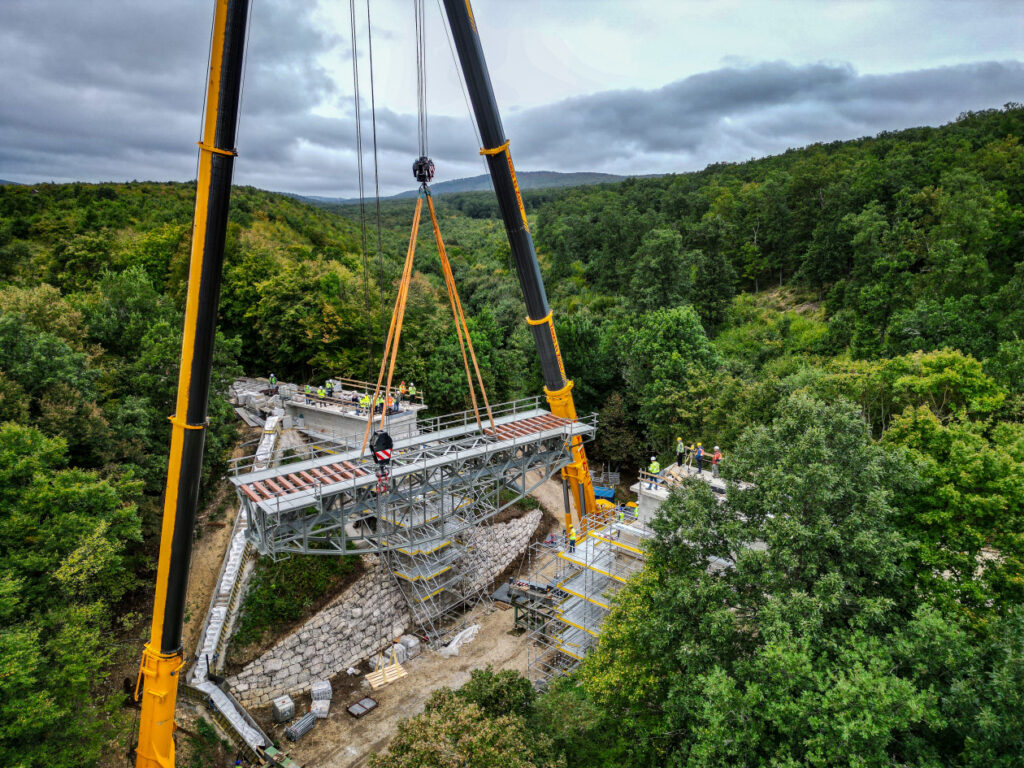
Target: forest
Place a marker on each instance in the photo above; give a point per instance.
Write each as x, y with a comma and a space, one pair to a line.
843, 319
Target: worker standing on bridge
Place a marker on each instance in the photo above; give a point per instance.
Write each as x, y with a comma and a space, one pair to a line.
654, 470
572, 539
680, 452
378, 407
700, 459
402, 392
391, 404
716, 459
321, 393
273, 380
330, 388
364, 403
412, 390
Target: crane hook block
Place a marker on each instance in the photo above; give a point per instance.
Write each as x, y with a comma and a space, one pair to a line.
381, 446
423, 169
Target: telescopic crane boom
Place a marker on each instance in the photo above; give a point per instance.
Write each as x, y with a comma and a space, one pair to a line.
499, 161
162, 658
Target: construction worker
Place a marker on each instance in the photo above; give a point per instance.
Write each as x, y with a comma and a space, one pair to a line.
653, 469
715, 461
364, 403
402, 391
378, 407
391, 404
680, 452
572, 539
330, 388
412, 390
309, 394
321, 393
273, 380
700, 459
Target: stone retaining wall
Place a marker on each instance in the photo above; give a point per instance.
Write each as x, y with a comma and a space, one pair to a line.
354, 626
364, 618
496, 546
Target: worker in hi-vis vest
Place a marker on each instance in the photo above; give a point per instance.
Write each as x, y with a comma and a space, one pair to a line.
653, 469
700, 459
572, 539
680, 452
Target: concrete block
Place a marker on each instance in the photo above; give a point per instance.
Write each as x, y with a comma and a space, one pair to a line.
321, 690
411, 644
283, 709
320, 709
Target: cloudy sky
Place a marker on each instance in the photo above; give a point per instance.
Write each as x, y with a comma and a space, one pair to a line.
113, 89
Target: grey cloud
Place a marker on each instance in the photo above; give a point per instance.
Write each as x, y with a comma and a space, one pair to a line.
114, 92
734, 113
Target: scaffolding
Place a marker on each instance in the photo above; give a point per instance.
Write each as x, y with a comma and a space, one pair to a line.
432, 560
570, 592
445, 482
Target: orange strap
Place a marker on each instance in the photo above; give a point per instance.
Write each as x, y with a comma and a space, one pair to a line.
398, 316
395, 331
460, 321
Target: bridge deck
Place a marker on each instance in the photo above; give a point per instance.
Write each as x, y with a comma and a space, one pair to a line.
299, 484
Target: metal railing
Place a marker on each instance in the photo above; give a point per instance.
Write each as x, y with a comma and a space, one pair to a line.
465, 418
331, 444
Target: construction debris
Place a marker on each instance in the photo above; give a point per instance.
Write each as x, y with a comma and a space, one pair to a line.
465, 636
283, 708
321, 690
361, 707
386, 675
412, 645
300, 727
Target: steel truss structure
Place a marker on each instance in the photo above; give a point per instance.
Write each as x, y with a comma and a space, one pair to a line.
571, 591
444, 482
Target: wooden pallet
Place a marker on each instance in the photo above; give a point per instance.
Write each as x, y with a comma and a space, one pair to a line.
385, 675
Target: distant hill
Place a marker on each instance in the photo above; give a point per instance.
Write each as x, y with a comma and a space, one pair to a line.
5, 181
482, 183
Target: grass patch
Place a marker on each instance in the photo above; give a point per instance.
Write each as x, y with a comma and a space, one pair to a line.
205, 748
284, 592
527, 502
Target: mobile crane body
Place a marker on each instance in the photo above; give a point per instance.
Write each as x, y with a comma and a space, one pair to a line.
162, 658
557, 387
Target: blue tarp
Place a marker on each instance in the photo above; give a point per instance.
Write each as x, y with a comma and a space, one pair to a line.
604, 493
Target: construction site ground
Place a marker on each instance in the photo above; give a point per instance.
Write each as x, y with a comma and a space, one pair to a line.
341, 741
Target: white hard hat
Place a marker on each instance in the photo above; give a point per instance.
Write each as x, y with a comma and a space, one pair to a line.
716, 447
652, 458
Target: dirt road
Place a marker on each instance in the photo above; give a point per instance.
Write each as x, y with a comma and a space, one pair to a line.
341, 741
